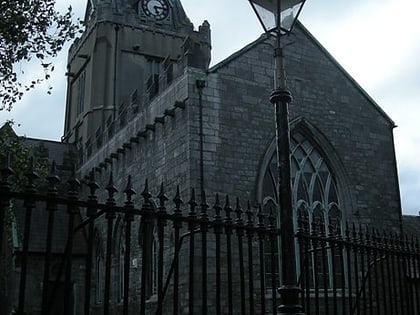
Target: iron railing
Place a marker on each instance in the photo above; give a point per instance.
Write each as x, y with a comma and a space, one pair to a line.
190, 258
206, 260
349, 269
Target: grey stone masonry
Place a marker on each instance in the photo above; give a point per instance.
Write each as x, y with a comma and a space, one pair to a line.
349, 127
153, 144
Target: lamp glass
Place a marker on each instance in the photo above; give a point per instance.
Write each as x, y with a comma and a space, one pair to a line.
266, 11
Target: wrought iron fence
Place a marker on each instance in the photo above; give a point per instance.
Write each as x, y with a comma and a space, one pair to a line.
190, 258
357, 270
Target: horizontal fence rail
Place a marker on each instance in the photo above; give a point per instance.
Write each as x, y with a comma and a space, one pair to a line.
125, 254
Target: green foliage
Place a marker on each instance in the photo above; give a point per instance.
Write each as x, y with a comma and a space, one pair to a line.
20, 155
30, 29
13, 147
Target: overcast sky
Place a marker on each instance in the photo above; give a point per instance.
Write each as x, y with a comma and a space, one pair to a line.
376, 41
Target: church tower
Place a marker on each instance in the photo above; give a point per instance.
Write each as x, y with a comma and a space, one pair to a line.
130, 51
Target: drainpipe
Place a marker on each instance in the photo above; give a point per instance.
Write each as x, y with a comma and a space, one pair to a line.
67, 122
117, 28
200, 84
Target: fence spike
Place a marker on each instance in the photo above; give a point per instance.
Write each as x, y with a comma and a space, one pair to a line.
347, 232
74, 183
217, 208
391, 240
238, 211
53, 172
111, 187
162, 198
31, 174
217, 202
300, 212
204, 205
354, 233
192, 204
92, 184
260, 216
146, 194
338, 230
53, 178
384, 238
228, 209
192, 215
306, 222
374, 236
128, 204
313, 228
249, 214
331, 233
177, 199
367, 236
129, 191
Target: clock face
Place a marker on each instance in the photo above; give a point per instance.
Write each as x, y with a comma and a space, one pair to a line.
158, 9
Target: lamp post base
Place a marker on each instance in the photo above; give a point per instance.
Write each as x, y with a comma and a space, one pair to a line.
289, 295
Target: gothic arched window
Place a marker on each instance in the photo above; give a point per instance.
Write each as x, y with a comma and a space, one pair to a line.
314, 186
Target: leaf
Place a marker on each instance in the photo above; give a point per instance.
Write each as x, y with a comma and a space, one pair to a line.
30, 29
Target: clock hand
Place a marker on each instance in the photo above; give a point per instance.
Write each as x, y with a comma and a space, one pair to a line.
158, 9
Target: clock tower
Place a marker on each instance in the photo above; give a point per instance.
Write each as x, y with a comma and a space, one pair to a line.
128, 54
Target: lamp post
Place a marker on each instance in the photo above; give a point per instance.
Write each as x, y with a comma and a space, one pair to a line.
278, 17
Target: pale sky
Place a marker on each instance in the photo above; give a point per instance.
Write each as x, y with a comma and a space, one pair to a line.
376, 41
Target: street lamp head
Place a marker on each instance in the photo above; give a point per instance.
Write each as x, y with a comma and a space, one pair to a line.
278, 16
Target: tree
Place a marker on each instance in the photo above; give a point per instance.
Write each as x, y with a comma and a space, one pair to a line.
30, 29
20, 156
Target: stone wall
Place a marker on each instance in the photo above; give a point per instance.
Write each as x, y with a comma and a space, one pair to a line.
351, 128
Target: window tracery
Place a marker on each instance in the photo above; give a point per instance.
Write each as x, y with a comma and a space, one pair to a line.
315, 192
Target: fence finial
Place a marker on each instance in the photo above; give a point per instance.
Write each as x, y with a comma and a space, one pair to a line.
146, 194
111, 187
228, 210
31, 174
260, 216
177, 199
271, 219
217, 208
129, 191
238, 211
249, 214
92, 184
53, 178
162, 198
193, 204
204, 205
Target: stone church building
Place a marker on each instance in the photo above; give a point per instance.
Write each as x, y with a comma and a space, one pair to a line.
143, 101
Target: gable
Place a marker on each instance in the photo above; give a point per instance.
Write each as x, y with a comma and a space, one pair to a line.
304, 54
